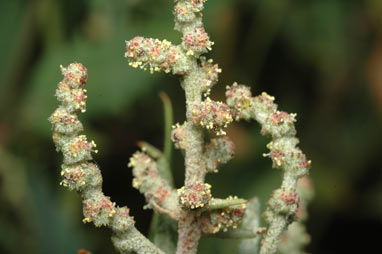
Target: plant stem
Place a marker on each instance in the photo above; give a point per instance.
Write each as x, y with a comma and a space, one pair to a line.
188, 228
272, 239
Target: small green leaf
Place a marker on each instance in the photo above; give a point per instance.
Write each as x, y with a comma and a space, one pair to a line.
218, 203
168, 122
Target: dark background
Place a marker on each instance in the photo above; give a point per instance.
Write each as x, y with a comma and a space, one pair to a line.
320, 58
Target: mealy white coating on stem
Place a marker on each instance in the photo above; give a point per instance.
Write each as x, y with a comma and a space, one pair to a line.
188, 228
195, 139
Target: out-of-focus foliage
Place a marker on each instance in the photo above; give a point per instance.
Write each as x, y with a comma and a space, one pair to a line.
320, 58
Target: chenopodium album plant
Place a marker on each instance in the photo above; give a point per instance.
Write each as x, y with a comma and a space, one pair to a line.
192, 206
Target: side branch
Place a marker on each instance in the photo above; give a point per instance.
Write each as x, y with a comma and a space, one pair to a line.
83, 176
284, 153
157, 191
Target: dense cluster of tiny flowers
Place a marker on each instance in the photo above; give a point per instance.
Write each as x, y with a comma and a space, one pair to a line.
195, 196
74, 99
263, 106
182, 12
282, 202
75, 75
78, 176
186, 12
156, 55
77, 149
239, 97
284, 153
98, 209
196, 41
218, 151
212, 115
222, 219
65, 122
122, 221
276, 124
210, 74
283, 122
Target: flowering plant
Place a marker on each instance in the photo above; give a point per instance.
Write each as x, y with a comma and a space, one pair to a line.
194, 208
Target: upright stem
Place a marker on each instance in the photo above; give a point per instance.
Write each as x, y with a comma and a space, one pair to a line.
272, 239
194, 148
189, 233
188, 227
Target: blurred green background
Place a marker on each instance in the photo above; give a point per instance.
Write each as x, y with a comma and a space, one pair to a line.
320, 58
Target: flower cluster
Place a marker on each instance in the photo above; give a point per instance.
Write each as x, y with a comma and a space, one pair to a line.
239, 98
156, 55
218, 151
263, 106
187, 12
79, 176
209, 75
285, 154
196, 42
276, 124
284, 123
72, 97
283, 202
65, 122
77, 149
122, 220
98, 209
195, 196
75, 75
212, 115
